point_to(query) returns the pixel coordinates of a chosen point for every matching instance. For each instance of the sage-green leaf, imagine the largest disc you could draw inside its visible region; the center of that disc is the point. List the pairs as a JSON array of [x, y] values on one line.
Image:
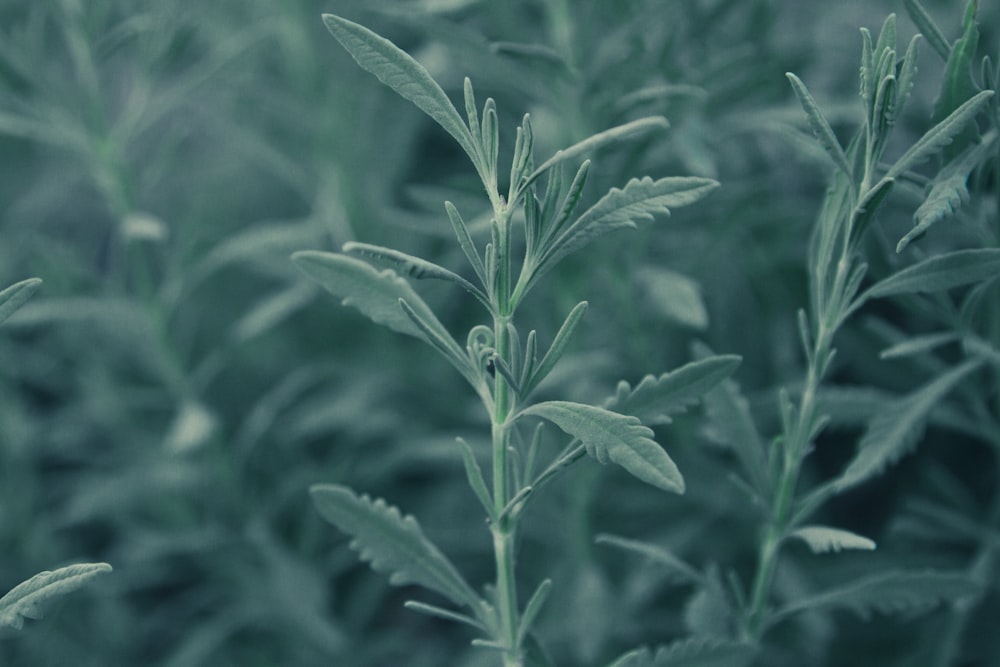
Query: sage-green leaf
[[557, 349], [639, 200], [943, 272], [616, 134], [14, 296], [392, 543], [894, 431], [928, 28], [655, 399], [896, 591], [678, 570], [25, 599], [414, 267], [398, 70], [940, 135], [691, 652], [823, 539], [819, 124], [612, 436], [957, 85], [673, 296]]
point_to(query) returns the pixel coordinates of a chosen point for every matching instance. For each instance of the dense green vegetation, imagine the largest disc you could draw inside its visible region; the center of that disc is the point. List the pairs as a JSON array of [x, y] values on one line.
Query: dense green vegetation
[[811, 336]]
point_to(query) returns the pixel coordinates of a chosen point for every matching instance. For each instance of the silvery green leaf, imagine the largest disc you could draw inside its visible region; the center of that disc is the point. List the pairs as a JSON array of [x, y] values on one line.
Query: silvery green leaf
[[928, 28], [673, 296], [414, 267], [532, 609], [940, 135], [616, 134], [655, 399], [896, 591], [939, 273], [917, 345], [25, 599], [819, 124], [678, 570], [14, 296], [638, 201], [558, 347], [392, 543], [823, 539], [894, 431], [957, 84], [691, 652], [612, 436], [398, 70]]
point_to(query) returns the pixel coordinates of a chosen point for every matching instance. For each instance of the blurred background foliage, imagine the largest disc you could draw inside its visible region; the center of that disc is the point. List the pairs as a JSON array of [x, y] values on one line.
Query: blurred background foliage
[[176, 385]]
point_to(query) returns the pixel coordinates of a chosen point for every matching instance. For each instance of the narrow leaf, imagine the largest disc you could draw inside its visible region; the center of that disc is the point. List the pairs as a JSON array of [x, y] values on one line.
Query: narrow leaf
[[475, 476], [957, 85], [822, 539], [392, 543], [940, 135], [928, 28], [14, 296], [896, 591], [466, 242], [414, 267], [396, 69], [819, 124], [558, 347], [655, 399], [440, 612], [611, 436], [679, 570], [917, 345], [894, 431], [617, 134], [638, 201], [943, 272], [25, 599], [531, 610]]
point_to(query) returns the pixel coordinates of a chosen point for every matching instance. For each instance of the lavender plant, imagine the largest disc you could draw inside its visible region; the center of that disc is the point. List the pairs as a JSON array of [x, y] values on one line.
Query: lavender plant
[[723, 609], [531, 230]]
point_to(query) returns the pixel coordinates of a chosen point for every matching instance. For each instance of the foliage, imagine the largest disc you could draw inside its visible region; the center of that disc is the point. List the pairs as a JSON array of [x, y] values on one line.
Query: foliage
[[630, 238]]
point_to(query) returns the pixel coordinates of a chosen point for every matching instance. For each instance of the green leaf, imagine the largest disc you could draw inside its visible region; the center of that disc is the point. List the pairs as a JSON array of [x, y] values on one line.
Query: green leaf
[[556, 350], [897, 591], [673, 296], [465, 241], [14, 296], [927, 27], [691, 652], [414, 267], [532, 609], [475, 476], [940, 135], [638, 201], [819, 124], [380, 296], [943, 272], [617, 134], [25, 599], [396, 69], [823, 539], [392, 543], [611, 436], [894, 431], [679, 570], [957, 85], [655, 399], [917, 345]]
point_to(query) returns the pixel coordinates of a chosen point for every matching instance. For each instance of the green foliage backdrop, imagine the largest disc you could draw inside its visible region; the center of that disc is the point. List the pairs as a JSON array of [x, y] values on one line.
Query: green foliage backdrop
[[175, 385]]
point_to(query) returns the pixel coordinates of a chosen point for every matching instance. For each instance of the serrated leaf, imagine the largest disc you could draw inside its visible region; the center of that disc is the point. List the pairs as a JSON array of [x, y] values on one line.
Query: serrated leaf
[[894, 431], [823, 539], [691, 652], [638, 201], [392, 543], [941, 135], [408, 78], [612, 436], [897, 591], [673, 296], [819, 124], [943, 272], [14, 296], [655, 399], [25, 599]]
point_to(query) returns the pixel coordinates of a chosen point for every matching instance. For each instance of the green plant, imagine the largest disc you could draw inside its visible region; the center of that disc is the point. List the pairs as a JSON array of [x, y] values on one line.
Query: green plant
[[503, 367]]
